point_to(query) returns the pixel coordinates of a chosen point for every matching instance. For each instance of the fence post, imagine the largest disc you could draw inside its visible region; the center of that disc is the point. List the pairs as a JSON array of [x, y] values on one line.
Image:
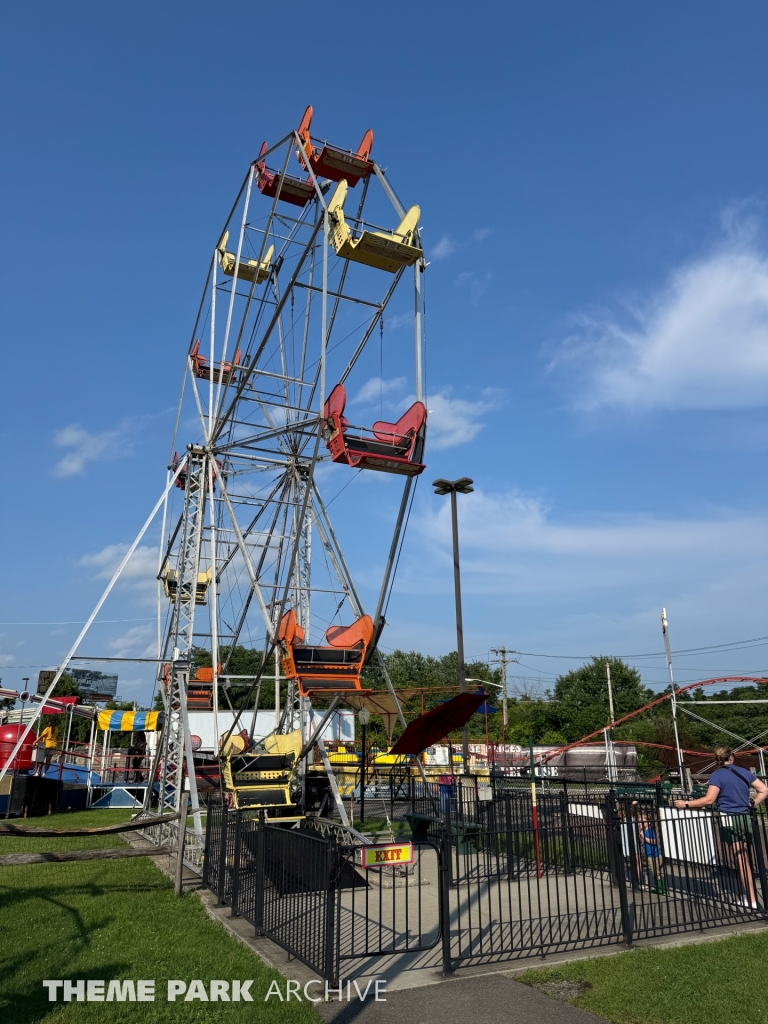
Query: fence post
[[207, 847], [512, 872], [236, 865], [444, 875], [565, 832], [221, 880], [760, 857], [182, 836], [259, 908], [448, 826], [330, 911], [613, 829]]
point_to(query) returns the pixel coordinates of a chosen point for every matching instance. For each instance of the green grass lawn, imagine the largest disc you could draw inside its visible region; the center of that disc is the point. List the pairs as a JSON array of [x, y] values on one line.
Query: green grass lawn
[[720, 982], [115, 919]]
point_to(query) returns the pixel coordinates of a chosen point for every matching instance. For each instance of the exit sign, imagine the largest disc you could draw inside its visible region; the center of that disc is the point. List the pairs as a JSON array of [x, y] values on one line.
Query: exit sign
[[386, 855]]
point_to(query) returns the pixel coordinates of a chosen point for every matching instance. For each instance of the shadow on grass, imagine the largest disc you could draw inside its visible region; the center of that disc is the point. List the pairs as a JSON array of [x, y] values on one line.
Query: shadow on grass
[[28, 1005]]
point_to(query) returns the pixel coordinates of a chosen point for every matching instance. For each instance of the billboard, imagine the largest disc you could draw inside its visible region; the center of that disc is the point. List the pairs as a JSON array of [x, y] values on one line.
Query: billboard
[[92, 685]]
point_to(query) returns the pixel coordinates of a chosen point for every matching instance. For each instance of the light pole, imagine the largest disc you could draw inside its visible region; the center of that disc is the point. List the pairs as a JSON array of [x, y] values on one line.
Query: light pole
[[453, 487], [364, 717]]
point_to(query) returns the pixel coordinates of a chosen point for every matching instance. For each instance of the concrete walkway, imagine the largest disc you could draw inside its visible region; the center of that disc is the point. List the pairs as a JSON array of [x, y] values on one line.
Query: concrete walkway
[[492, 999]]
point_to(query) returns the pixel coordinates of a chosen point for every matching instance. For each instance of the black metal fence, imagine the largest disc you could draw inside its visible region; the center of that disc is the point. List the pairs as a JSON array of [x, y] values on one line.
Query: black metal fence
[[493, 879]]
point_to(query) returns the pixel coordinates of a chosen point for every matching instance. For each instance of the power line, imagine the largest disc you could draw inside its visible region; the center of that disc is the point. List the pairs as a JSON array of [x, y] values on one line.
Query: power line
[[687, 651]]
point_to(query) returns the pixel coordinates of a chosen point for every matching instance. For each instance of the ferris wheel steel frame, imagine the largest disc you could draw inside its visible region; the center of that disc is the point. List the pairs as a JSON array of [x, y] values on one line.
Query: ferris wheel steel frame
[[286, 440], [206, 467]]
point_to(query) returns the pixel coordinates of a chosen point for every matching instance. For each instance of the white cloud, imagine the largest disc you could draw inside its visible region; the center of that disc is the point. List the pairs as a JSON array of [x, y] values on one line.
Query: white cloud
[[398, 320], [538, 580], [139, 575], [372, 389], [700, 342], [455, 421], [447, 245], [139, 642], [443, 248], [512, 543], [87, 447], [141, 565], [477, 284]]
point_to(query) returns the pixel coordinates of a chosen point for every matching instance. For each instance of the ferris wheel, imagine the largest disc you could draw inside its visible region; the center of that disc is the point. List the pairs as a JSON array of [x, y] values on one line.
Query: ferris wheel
[[315, 247]]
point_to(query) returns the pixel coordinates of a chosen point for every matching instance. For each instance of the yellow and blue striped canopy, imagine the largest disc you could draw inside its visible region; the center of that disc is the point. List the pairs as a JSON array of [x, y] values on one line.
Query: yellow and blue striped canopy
[[129, 721]]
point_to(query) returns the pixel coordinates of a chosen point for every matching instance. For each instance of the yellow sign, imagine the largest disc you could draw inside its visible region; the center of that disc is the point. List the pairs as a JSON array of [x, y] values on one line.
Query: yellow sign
[[386, 855]]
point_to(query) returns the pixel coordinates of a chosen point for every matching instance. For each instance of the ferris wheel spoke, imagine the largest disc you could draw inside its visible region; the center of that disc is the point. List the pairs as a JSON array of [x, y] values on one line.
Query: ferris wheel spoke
[[243, 550]]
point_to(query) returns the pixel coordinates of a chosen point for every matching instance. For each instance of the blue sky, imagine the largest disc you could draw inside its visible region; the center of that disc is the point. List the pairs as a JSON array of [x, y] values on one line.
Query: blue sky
[[592, 180]]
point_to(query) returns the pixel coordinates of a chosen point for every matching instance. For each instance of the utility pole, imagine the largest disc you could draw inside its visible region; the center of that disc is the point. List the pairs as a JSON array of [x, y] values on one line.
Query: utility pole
[[502, 660], [610, 759], [453, 487], [610, 692], [673, 699]]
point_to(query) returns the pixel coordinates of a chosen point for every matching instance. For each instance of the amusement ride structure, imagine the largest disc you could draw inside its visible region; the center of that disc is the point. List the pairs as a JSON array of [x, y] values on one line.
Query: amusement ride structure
[[298, 283], [314, 249]]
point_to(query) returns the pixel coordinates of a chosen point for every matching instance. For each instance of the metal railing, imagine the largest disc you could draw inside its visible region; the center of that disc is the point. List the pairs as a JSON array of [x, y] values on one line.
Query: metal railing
[[492, 880]]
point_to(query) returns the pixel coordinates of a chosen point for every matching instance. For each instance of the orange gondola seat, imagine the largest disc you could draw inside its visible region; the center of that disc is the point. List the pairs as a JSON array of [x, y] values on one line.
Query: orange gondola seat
[[325, 670], [224, 373], [200, 689], [330, 162], [291, 190], [386, 447]]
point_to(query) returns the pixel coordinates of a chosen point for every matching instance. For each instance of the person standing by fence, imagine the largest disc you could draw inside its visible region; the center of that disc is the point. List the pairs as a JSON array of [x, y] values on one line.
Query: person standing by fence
[[650, 849], [730, 788]]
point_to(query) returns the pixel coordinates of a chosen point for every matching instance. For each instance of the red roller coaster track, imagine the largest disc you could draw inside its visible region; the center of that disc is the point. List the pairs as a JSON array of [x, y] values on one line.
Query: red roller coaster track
[[659, 700]]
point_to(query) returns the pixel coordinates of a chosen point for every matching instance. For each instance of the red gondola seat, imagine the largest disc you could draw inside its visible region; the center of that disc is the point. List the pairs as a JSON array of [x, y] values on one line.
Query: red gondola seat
[[181, 479], [224, 373], [325, 670], [291, 190], [386, 447], [330, 162]]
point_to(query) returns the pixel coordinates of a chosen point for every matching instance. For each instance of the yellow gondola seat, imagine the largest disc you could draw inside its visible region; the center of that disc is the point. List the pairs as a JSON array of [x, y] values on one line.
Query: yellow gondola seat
[[375, 248], [325, 670], [248, 270], [170, 579], [262, 779]]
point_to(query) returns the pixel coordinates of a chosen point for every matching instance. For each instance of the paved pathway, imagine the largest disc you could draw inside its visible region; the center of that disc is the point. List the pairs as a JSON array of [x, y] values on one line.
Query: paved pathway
[[491, 999]]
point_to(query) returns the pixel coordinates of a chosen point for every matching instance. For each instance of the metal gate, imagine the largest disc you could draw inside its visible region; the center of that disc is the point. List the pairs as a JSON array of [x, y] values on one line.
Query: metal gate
[[306, 892]]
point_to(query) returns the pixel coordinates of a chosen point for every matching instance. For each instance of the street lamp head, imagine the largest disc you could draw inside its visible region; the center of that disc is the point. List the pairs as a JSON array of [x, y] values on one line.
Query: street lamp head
[[364, 716], [485, 682], [462, 486]]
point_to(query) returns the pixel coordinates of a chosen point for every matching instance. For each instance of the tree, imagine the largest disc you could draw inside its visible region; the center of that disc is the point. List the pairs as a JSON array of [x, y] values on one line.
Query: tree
[[580, 698]]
